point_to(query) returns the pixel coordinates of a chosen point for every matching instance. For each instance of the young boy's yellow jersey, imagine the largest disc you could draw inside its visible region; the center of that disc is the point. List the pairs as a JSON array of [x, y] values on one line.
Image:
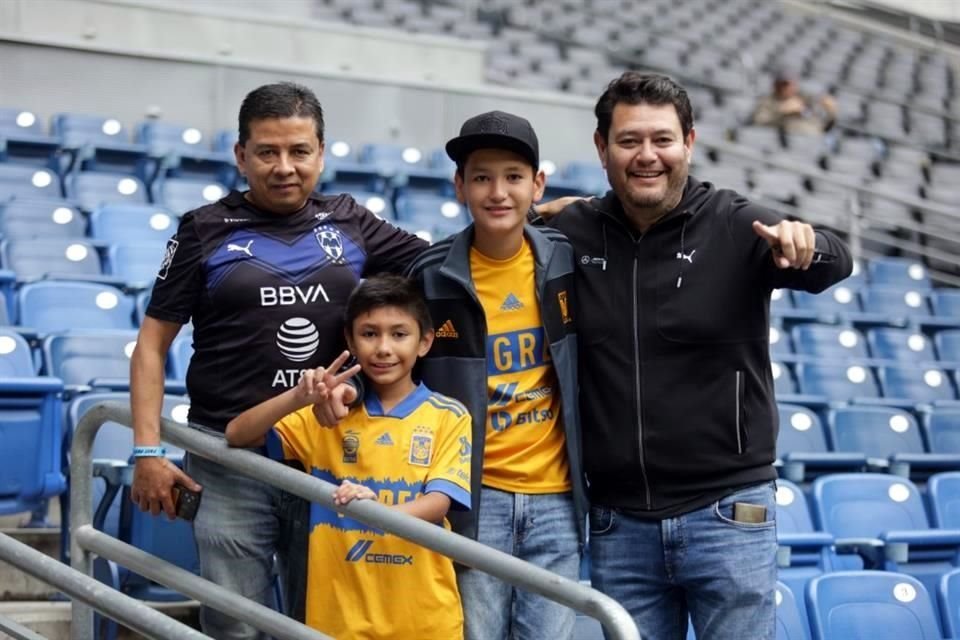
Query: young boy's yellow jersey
[[525, 447], [363, 583]]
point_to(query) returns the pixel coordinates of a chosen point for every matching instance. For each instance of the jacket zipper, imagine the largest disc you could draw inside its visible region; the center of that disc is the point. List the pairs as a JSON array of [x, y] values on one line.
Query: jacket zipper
[[739, 426], [636, 361]]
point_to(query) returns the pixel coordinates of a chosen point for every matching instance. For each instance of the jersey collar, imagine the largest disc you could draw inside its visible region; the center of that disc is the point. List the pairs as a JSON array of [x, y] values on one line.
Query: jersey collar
[[403, 409]]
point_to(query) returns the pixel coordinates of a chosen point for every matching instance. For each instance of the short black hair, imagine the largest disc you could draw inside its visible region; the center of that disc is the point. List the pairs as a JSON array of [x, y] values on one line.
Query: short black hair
[[388, 290], [279, 100], [633, 87]]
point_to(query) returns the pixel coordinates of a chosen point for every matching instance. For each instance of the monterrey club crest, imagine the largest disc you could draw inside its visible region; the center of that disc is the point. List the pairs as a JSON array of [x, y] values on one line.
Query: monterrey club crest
[[328, 237]]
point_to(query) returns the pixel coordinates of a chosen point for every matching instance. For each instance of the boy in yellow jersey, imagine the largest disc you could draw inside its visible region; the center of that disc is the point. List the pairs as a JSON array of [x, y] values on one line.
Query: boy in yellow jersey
[[404, 445], [502, 299]]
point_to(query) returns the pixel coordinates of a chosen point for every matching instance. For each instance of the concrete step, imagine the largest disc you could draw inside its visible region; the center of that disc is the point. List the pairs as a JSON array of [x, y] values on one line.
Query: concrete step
[[17, 585], [52, 619]]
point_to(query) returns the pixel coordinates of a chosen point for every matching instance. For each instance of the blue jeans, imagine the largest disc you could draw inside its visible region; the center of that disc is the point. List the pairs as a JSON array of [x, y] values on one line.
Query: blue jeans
[[723, 573], [541, 529], [238, 528]]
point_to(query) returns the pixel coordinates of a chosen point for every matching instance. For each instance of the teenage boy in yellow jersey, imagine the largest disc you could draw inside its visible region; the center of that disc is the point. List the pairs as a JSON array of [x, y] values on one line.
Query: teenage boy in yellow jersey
[[405, 446], [501, 297]]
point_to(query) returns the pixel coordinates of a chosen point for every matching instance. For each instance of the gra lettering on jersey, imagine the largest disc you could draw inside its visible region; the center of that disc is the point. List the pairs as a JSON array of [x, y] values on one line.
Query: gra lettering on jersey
[[516, 351], [290, 295]]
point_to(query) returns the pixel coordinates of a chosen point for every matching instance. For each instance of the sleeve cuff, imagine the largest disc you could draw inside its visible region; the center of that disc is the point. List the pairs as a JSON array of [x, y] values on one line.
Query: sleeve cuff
[[458, 496]]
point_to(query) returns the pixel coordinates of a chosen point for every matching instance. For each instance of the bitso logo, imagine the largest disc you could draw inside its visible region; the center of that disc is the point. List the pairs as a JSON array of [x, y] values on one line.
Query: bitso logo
[[298, 339]]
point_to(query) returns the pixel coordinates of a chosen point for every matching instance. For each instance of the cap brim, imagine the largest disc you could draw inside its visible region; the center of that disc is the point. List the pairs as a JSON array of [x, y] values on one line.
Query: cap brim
[[462, 146]]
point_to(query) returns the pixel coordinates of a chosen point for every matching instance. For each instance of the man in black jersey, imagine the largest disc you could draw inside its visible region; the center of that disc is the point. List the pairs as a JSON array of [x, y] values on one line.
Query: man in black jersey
[[263, 276]]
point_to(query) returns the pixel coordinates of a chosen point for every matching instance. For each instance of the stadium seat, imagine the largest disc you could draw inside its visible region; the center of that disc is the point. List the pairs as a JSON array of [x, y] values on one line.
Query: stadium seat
[[183, 151], [92, 190], [136, 223], [178, 360], [23, 139], [946, 303], [783, 382], [883, 518], [791, 620], [899, 305], [185, 194], [948, 596], [25, 181], [942, 427], [915, 385], [839, 381], [24, 219], [943, 490], [589, 176], [375, 202], [62, 306], [64, 258], [802, 446], [890, 438], [900, 344], [824, 341], [948, 345], [780, 343], [90, 359], [837, 300], [135, 263], [391, 159], [870, 604], [16, 356], [900, 273], [99, 143]]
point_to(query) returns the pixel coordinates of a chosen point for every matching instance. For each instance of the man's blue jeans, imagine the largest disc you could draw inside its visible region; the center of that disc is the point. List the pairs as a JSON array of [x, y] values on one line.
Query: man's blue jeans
[[720, 572], [238, 528], [541, 529]]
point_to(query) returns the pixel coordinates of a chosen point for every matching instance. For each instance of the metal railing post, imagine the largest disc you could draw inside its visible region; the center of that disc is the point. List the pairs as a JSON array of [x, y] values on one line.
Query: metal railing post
[[87, 591], [615, 619]]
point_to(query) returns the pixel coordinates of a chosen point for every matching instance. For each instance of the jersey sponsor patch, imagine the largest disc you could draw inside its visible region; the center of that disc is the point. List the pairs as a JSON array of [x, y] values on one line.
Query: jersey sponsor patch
[[169, 251]]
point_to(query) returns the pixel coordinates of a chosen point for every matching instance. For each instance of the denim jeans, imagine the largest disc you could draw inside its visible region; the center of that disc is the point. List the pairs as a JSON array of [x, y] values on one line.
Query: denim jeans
[[723, 573], [541, 529], [238, 528]]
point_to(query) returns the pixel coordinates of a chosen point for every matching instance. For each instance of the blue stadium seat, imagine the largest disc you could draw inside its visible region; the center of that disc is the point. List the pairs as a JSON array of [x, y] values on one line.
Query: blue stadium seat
[[25, 181], [66, 258], [135, 263], [375, 202], [791, 620], [63, 306], [23, 139], [94, 189], [900, 273], [783, 382], [391, 159], [946, 303], [948, 596], [589, 176], [899, 305], [870, 604], [185, 194], [24, 219], [137, 223], [948, 345], [99, 143], [415, 206], [824, 341], [913, 385], [16, 356], [883, 517], [942, 427], [900, 344], [943, 490], [780, 343], [803, 449], [890, 438], [838, 381], [837, 300], [184, 152], [90, 359]]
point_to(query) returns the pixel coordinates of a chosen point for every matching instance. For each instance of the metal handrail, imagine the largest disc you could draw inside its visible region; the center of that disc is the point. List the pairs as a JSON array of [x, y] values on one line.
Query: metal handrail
[[17, 631], [88, 592], [615, 619]]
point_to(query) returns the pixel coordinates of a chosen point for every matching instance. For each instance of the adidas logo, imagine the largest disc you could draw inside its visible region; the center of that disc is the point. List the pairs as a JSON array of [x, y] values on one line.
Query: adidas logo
[[446, 330], [385, 440], [511, 303]]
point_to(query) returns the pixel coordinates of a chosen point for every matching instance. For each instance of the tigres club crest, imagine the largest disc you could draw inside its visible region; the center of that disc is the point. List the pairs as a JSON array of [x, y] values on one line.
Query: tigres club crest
[[421, 447], [330, 241], [351, 445]]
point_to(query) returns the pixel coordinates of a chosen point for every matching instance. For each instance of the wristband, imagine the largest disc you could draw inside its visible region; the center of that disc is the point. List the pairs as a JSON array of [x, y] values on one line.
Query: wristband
[[149, 452]]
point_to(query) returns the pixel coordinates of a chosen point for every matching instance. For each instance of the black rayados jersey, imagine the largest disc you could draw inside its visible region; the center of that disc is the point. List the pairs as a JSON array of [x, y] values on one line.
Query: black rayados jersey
[[266, 293]]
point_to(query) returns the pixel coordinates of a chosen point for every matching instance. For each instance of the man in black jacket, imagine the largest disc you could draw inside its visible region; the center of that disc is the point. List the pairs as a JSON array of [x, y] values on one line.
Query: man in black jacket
[[673, 284]]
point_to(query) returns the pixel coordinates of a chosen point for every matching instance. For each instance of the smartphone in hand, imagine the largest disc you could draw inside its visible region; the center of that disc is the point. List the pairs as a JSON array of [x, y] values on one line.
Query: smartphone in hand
[[187, 502]]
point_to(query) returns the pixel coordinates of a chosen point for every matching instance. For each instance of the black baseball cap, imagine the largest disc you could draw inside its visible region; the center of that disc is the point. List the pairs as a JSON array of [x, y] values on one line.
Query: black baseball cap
[[495, 130]]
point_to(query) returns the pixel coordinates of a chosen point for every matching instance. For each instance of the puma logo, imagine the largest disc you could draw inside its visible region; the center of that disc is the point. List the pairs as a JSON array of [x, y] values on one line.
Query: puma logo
[[236, 247], [686, 256]]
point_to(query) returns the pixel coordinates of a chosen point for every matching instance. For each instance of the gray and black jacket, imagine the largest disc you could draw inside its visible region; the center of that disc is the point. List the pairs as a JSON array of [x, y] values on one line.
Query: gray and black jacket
[[457, 363]]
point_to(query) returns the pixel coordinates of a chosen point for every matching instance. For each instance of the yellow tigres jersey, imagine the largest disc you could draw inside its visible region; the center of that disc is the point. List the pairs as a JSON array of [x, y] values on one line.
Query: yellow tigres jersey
[[525, 448], [363, 583]]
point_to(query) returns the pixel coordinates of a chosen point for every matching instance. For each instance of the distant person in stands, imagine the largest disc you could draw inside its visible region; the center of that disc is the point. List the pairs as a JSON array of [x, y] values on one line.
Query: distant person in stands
[[405, 445], [792, 111], [263, 276]]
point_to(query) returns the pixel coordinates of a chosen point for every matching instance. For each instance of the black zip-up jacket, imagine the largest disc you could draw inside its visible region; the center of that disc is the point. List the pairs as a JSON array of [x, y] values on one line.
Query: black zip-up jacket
[[676, 393]]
